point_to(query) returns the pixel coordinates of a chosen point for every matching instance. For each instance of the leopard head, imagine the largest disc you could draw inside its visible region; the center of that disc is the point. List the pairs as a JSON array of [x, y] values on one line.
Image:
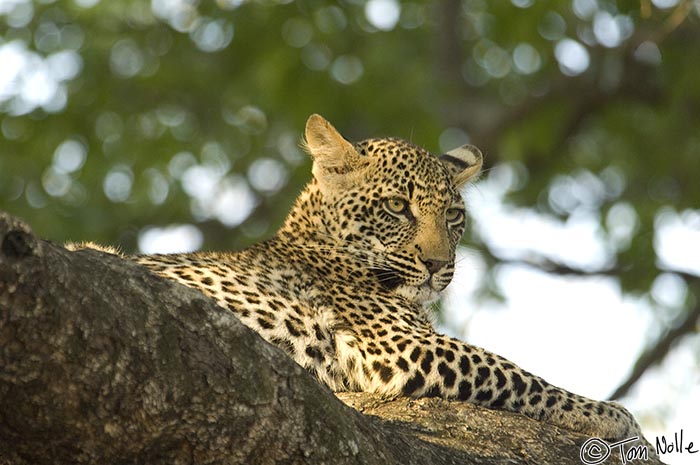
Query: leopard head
[[394, 204]]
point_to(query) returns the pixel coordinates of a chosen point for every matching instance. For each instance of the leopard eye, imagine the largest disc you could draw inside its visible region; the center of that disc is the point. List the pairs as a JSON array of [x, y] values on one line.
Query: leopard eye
[[395, 206], [454, 215]]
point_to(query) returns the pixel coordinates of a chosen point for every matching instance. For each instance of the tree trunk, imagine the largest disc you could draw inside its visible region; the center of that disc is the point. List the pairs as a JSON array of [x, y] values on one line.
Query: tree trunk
[[102, 362]]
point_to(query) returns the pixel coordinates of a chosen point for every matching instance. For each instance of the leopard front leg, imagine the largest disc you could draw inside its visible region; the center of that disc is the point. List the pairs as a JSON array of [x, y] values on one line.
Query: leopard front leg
[[422, 365]]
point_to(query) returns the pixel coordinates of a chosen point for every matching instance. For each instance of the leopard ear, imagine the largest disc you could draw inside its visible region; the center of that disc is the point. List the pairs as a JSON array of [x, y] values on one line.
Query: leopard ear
[[335, 159], [463, 163]]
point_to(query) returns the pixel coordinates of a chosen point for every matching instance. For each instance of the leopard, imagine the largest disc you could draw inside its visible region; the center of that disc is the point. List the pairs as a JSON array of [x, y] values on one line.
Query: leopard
[[346, 285]]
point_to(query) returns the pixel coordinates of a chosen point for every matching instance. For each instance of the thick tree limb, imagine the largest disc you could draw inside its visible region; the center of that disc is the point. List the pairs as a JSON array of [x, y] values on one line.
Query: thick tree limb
[[103, 362]]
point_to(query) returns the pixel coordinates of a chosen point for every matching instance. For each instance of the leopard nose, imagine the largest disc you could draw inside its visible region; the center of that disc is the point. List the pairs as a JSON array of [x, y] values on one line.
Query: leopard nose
[[433, 265]]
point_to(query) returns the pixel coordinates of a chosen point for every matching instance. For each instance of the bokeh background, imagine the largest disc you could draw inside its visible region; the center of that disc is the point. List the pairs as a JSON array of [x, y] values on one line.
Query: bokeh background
[[174, 125]]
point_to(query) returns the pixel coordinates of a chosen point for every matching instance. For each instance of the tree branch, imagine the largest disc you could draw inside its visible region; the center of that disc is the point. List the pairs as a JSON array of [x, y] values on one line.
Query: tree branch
[[104, 362], [584, 93], [657, 351], [546, 265], [448, 45]]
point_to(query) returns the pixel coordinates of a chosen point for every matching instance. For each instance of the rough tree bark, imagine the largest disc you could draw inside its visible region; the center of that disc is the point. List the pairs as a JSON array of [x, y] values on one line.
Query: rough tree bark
[[103, 362]]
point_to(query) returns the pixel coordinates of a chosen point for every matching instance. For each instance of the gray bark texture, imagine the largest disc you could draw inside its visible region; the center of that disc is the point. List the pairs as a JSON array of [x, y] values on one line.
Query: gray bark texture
[[102, 362]]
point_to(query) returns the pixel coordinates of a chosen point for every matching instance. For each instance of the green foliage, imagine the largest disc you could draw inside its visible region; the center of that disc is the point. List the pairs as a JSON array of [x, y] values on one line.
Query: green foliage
[[147, 93]]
